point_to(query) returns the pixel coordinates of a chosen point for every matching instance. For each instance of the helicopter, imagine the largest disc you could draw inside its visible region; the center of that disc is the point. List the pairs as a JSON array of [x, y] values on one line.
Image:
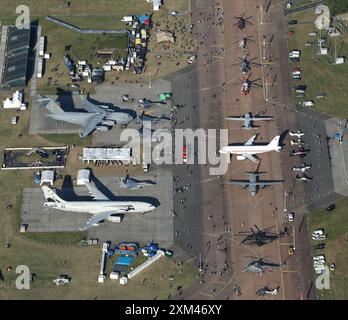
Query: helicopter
[[261, 266], [260, 237], [243, 42], [267, 290], [245, 64], [247, 83], [242, 22]]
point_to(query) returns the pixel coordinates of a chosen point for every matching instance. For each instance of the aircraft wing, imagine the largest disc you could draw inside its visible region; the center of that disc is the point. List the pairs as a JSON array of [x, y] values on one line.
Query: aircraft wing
[[87, 129], [250, 141], [90, 107], [265, 183], [95, 192], [238, 182], [261, 118], [250, 157], [97, 218], [234, 118]]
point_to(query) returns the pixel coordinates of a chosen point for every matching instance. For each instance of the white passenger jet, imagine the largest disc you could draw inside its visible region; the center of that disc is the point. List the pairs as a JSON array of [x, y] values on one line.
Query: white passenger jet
[[247, 150]]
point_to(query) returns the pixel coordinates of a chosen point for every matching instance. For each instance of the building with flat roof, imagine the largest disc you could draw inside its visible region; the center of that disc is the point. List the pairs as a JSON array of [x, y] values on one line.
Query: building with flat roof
[[13, 63]]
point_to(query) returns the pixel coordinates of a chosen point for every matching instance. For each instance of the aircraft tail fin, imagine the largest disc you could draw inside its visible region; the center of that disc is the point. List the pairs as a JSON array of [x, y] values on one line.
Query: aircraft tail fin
[[50, 195], [50, 105], [274, 144]]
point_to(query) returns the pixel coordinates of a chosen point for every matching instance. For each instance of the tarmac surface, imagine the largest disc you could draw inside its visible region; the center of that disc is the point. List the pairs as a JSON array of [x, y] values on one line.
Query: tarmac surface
[[105, 95], [219, 212], [153, 226]]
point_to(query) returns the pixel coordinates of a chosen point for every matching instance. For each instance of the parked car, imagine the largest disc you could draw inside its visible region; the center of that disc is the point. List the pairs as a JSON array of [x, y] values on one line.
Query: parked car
[[292, 22], [331, 207], [319, 246], [291, 216]]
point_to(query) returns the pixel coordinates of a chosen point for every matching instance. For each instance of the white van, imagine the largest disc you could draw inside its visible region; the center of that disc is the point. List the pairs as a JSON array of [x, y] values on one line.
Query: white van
[[308, 103], [127, 19]]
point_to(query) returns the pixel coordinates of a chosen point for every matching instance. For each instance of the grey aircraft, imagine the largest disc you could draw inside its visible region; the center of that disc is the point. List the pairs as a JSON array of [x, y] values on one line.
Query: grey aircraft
[[267, 290], [97, 117], [260, 237], [254, 184], [248, 119], [261, 266], [133, 184]]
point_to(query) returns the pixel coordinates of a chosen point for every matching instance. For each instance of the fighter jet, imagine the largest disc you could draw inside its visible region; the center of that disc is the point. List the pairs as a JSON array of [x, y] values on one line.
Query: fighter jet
[[258, 237], [254, 184], [97, 117], [266, 290], [146, 103], [302, 168], [101, 207], [303, 178], [297, 134], [261, 266], [248, 119], [133, 184], [247, 150], [242, 22]]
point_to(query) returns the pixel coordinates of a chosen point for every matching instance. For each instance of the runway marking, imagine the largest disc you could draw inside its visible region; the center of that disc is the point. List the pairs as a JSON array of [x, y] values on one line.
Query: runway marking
[[264, 89]]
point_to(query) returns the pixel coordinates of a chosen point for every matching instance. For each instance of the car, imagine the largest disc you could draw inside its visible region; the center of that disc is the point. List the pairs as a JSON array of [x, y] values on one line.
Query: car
[[174, 13], [291, 216], [289, 5], [184, 154], [320, 246], [331, 207], [292, 22], [333, 267], [191, 59]]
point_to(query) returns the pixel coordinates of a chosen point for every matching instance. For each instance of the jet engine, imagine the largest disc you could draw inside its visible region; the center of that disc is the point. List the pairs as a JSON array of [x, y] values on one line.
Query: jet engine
[[116, 218], [102, 128], [108, 123]]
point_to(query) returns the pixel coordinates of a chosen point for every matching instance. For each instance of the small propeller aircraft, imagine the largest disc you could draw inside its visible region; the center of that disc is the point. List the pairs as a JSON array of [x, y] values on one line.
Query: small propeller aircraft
[[301, 152], [302, 168], [297, 134], [303, 178]]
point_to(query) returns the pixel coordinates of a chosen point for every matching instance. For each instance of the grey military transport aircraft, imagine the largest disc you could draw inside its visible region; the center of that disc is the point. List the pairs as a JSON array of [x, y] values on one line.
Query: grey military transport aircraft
[[253, 183], [248, 120], [96, 117]]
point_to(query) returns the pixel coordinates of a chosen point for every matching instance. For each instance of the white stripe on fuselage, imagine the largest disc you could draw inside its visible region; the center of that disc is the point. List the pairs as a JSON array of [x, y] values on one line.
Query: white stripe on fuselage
[[95, 207]]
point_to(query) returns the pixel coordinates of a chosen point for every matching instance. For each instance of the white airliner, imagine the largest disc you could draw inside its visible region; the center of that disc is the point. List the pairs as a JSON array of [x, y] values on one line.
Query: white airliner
[[247, 150], [101, 207]]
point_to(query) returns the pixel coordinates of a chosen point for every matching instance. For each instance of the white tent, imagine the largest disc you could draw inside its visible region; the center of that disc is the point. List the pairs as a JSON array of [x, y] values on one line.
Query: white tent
[[163, 36], [47, 177], [15, 102]]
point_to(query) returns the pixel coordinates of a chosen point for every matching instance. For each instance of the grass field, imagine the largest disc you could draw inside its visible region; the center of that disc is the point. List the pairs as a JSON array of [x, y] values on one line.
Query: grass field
[[51, 254], [335, 226], [77, 7], [320, 76]]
